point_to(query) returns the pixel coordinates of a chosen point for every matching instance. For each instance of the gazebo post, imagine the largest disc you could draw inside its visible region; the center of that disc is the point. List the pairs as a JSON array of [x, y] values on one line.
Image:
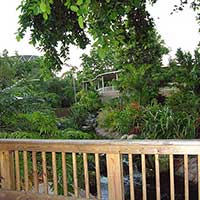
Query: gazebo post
[[98, 85], [102, 79], [116, 76]]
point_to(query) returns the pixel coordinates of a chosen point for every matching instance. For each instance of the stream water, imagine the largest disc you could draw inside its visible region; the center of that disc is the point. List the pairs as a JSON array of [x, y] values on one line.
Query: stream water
[[151, 185]]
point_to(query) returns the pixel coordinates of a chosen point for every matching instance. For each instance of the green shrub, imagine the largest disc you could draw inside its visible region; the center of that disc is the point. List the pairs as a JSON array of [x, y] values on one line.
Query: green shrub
[[160, 122], [89, 102], [121, 120], [126, 119], [184, 102], [106, 119], [73, 134], [20, 135], [44, 123]]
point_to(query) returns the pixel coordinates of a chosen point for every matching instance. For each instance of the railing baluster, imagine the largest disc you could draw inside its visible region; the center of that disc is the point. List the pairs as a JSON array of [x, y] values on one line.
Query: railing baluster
[[186, 181], [64, 174], [157, 169], [17, 155], [25, 170], [115, 178], [75, 174], [85, 163], [35, 171], [132, 192], [171, 170], [17, 170], [144, 187], [7, 169], [97, 166], [199, 176], [55, 178], [44, 172]]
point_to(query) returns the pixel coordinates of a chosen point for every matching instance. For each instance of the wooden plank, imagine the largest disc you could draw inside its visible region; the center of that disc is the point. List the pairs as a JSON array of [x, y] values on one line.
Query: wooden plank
[[17, 171], [44, 172], [167, 147], [35, 172], [186, 178], [115, 180], [7, 170], [171, 171], [26, 182], [144, 187], [132, 192], [75, 175], [64, 173], [97, 166], [55, 178], [157, 170], [87, 187], [15, 195]]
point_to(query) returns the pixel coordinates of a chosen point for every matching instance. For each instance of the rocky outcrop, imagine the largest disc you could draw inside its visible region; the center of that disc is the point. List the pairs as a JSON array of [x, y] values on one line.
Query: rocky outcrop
[[105, 133], [89, 123], [192, 168], [128, 137]]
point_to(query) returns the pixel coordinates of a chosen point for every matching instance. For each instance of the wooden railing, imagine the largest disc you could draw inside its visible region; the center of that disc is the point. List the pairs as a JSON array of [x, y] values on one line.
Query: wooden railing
[[56, 169]]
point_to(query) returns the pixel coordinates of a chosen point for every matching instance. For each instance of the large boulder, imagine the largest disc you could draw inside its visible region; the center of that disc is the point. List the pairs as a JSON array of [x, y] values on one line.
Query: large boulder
[[192, 167]]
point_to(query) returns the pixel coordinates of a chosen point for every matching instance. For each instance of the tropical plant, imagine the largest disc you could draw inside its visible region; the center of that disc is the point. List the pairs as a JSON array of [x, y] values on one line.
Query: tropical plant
[[160, 122], [121, 119], [88, 102]]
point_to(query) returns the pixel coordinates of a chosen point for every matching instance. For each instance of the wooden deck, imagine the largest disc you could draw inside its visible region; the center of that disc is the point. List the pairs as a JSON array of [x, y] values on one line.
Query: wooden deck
[[25, 164]]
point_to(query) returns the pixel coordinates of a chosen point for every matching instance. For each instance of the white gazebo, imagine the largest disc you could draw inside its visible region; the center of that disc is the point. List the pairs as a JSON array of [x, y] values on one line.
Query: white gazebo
[[104, 85]]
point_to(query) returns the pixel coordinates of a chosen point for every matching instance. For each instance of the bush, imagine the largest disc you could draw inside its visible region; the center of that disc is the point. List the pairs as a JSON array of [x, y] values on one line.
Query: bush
[[73, 134], [20, 135], [160, 122], [184, 102], [89, 102], [122, 120], [44, 123]]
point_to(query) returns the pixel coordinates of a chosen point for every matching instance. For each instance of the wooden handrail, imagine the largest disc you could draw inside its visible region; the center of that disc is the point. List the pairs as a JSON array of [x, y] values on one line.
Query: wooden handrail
[[42, 156], [191, 147]]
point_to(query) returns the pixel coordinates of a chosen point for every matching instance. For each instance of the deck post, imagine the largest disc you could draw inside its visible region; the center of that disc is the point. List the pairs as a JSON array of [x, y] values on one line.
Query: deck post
[[7, 180], [115, 177]]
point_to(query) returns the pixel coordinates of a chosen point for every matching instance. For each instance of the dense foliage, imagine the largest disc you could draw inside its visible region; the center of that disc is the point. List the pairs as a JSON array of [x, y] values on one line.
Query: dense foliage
[[123, 38]]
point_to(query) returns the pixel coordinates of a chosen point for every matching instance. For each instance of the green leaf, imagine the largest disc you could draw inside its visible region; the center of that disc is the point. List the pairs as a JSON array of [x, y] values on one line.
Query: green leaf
[[113, 15], [79, 2], [137, 3], [87, 2], [45, 16], [102, 52], [18, 38], [43, 6], [74, 8], [80, 22], [67, 4]]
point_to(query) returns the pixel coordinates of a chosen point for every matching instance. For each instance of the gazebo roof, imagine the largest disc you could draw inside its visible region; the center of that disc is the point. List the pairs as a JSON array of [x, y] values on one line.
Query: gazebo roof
[[106, 75]]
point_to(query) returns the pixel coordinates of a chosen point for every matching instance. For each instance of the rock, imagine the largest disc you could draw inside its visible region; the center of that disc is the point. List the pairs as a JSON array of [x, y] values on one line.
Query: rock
[[192, 168], [105, 133], [89, 123], [86, 128], [82, 194], [124, 137], [131, 136]]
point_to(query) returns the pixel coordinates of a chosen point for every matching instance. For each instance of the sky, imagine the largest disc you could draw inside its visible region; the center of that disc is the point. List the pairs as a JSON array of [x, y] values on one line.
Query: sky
[[179, 30]]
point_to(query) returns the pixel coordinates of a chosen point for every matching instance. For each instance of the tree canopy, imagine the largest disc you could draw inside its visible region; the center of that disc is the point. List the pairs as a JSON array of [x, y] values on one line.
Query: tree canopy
[[55, 24]]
